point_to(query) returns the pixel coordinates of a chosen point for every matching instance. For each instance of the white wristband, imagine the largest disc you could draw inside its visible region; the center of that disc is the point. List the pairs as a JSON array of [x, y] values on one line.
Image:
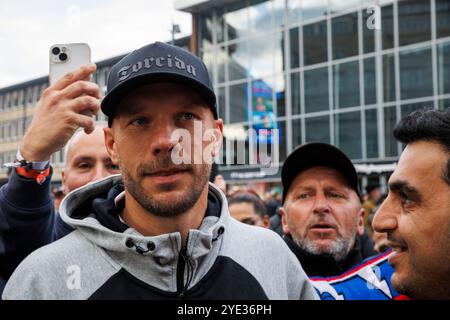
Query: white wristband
[[35, 165]]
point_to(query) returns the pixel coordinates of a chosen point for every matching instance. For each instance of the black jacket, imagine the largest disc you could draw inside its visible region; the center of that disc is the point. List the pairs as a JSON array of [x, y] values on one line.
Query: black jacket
[[325, 265]]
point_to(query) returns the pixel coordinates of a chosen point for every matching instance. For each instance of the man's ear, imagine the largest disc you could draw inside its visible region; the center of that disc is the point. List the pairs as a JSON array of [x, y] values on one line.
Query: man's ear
[[111, 145], [284, 223], [360, 229], [218, 137]]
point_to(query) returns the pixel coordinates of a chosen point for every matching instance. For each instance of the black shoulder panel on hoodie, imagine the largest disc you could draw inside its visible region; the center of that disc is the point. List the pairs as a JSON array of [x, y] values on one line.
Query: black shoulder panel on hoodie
[[226, 280]]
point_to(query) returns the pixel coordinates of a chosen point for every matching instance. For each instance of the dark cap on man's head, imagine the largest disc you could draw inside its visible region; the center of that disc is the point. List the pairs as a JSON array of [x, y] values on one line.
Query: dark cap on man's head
[[157, 62], [317, 154]]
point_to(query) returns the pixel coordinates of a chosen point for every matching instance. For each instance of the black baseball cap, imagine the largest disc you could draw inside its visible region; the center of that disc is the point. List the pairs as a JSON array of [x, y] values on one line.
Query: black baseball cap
[[317, 154], [157, 62]]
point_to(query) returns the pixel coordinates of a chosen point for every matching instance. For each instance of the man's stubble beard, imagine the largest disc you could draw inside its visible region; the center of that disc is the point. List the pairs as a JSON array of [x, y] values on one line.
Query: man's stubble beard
[[165, 207]]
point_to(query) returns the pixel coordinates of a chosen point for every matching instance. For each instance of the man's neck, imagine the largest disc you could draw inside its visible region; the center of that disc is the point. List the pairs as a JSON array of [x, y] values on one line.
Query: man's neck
[[149, 224]]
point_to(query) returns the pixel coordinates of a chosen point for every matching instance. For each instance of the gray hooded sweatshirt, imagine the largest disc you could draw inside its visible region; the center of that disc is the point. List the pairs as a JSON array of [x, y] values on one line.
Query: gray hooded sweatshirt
[[105, 259]]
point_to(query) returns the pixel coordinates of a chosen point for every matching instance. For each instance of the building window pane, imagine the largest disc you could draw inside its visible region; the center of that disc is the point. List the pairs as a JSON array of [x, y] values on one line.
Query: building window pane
[[314, 8], [221, 104], [261, 56], [280, 94], [416, 76], [390, 144], [444, 104], [293, 11], [339, 5], [278, 52], [221, 61], [260, 15], [278, 13], [206, 30], [406, 109], [443, 62], [296, 132], [295, 93], [414, 23], [238, 61], [442, 18], [368, 34], [370, 93], [238, 102], [388, 77], [220, 28], [316, 90], [315, 43], [295, 48], [282, 140], [371, 133], [236, 21], [317, 129], [347, 128], [345, 36], [387, 27], [208, 58], [346, 84]]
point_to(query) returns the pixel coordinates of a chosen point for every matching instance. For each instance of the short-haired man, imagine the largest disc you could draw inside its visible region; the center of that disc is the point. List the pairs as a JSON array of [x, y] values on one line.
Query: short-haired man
[[164, 232], [322, 217], [248, 207], [323, 221], [416, 213], [27, 217]]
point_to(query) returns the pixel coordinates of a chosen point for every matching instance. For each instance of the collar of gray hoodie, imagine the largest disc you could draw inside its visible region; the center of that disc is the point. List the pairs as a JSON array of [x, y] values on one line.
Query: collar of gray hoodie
[[133, 251]]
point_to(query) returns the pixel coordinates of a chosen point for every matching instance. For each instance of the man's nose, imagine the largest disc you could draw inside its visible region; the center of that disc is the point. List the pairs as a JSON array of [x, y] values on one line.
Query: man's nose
[[385, 218], [163, 139], [100, 172], [321, 204]]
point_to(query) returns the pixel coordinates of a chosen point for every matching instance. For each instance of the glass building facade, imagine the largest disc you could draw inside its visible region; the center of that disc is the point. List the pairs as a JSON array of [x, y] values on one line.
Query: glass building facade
[[342, 72]]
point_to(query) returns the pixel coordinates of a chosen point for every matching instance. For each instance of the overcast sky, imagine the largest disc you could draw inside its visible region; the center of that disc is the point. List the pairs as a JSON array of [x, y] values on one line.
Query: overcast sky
[[110, 27]]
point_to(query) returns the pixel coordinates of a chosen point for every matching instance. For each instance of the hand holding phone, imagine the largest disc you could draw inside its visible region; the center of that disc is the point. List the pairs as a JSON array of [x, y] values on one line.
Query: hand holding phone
[[65, 106]]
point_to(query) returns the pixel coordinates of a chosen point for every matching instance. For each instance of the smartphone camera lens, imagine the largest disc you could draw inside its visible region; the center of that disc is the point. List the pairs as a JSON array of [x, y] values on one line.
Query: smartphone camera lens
[[63, 57], [55, 50]]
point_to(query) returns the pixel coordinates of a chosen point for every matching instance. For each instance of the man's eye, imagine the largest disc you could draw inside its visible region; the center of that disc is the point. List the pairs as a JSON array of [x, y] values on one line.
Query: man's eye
[[188, 116], [303, 196], [83, 165], [139, 122], [113, 167], [405, 200], [336, 195]]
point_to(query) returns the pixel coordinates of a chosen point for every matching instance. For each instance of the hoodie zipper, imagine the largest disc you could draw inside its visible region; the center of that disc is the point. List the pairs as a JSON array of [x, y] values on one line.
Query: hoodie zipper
[[183, 259]]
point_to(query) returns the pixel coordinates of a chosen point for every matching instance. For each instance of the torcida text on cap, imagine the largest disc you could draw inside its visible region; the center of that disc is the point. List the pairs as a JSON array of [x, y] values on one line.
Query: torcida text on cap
[[160, 62]]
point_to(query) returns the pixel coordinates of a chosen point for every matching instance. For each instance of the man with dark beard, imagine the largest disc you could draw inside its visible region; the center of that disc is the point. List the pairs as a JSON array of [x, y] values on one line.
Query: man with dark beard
[[322, 217], [163, 232]]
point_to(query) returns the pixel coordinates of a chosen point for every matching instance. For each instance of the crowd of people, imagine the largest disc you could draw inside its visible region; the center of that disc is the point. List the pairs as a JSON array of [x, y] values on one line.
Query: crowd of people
[[135, 225]]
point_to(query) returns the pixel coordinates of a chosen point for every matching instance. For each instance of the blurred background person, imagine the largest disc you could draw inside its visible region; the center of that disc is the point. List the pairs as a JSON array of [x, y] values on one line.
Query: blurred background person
[[247, 207], [371, 200], [58, 195]]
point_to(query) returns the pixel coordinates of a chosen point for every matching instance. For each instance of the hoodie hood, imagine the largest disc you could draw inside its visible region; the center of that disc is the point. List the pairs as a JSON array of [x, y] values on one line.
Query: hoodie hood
[[93, 212]]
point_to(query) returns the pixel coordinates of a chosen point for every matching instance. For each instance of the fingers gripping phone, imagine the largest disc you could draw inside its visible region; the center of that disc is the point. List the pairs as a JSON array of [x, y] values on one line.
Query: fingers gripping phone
[[68, 57]]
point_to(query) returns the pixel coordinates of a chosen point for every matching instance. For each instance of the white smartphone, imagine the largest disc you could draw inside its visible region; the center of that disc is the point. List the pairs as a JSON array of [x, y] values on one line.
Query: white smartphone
[[68, 57]]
